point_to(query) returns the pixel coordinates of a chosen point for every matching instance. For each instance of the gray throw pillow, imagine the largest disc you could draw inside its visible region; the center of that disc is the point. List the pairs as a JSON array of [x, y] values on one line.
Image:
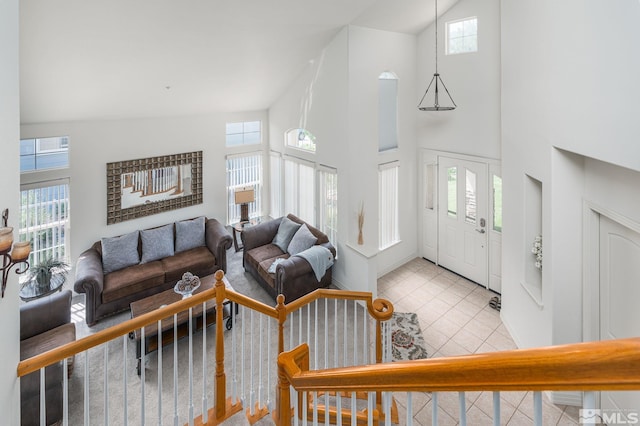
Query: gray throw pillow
[[189, 234], [286, 229], [157, 243], [120, 252], [302, 240]]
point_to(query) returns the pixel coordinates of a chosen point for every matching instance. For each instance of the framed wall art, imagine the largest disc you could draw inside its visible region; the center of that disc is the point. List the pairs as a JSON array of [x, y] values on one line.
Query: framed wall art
[[146, 186]]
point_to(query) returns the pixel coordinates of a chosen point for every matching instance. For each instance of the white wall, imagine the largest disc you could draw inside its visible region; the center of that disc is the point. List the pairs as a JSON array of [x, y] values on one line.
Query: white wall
[[336, 99], [473, 80], [569, 82], [95, 143], [9, 197]]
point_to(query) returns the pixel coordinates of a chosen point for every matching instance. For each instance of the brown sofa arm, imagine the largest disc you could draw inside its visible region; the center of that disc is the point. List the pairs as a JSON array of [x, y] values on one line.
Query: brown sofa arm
[[90, 280], [293, 268], [260, 234], [45, 314], [218, 241]]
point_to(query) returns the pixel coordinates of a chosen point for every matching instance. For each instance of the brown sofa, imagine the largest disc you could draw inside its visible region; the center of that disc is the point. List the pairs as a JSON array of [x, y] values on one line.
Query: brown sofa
[[294, 276], [108, 292], [45, 324]]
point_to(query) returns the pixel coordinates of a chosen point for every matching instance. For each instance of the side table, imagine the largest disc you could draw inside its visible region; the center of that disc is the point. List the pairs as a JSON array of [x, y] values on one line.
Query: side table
[[237, 228], [31, 290]]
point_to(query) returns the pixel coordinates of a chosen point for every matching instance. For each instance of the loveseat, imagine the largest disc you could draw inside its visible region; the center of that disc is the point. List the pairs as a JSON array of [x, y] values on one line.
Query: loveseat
[[292, 276], [45, 324], [117, 271]]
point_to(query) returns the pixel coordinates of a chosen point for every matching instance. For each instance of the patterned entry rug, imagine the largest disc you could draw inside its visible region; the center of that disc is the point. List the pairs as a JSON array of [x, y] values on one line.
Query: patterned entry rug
[[407, 342]]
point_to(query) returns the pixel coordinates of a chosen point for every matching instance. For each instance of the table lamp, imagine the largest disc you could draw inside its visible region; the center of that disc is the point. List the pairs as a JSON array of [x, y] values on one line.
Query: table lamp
[[243, 197]]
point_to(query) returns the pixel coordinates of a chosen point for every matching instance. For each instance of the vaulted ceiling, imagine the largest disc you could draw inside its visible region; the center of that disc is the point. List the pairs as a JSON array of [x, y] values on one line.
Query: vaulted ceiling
[[83, 60]]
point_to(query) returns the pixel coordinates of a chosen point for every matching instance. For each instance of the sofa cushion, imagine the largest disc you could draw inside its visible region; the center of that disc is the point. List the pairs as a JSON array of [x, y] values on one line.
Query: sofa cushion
[[190, 234], [199, 261], [120, 252], [258, 254], [321, 236], [302, 240], [285, 233], [157, 243], [132, 280], [263, 269]]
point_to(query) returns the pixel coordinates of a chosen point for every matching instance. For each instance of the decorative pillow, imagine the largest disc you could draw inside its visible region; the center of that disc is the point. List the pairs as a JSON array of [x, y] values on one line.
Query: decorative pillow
[[157, 243], [190, 234], [120, 252], [286, 229], [302, 240]]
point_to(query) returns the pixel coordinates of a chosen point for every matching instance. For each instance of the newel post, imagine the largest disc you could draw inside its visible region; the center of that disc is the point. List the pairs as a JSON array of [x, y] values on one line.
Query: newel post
[[283, 398], [221, 380], [282, 318]]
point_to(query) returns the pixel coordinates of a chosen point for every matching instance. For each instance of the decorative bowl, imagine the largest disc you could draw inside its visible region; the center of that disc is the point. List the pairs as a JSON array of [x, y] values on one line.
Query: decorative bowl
[[187, 285]]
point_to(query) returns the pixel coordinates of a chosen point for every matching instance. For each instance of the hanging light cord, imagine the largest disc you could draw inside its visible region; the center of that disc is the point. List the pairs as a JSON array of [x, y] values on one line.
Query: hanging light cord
[[436, 2]]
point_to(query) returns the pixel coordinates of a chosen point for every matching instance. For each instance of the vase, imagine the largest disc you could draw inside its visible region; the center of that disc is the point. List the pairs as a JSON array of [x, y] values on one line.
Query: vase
[[360, 240]]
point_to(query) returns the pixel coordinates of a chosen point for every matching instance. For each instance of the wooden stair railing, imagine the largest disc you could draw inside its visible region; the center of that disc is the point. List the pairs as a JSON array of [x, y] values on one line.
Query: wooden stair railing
[[592, 366], [379, 309]]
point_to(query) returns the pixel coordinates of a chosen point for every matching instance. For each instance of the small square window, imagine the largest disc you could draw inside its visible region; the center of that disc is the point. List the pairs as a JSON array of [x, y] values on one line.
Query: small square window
[[245, 133], [462, 36]]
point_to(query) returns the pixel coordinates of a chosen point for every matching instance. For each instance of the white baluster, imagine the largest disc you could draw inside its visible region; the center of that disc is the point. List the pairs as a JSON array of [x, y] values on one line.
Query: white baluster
[[354, 419], [106, 383], [339, 409], [309, 325], [205, 403], [589, 403], [463, 409], [142, 375], [387, 408], [296, 408], [355, 333], [260, 351], [125, 400], [65, 392], [43, 403], [299, 326], [537, 408], [316, 348], [370, 407], [496, 408], [335, 333], [409, 408], [234, 354], [191, 367], [305, 408], [434, 408], [159, 372], [269, 321], [252, 395], [344, 335], [242, 360], [175, 370], [315, 409], [365, 337]]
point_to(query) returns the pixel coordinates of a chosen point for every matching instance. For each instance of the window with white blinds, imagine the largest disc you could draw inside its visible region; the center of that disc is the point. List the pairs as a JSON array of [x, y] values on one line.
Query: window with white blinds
[[44, 220], [244, 171], [389, 233], [328, 202], [299, 189], [275, 170]]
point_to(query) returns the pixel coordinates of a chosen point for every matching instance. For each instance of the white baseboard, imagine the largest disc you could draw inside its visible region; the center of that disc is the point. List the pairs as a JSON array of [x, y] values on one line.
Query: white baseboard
[[397, 264]]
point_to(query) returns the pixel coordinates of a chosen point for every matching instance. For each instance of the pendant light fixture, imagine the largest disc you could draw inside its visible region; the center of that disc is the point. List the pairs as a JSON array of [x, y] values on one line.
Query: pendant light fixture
[[433, 101]]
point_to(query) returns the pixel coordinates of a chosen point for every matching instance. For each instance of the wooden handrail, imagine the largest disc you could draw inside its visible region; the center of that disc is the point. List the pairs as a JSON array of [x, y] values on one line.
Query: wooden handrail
[[604, 365]]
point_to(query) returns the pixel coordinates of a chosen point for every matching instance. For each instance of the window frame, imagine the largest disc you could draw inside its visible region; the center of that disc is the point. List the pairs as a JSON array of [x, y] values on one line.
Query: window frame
[[243, 133], [256, 207], [447, 48], [383, 206]]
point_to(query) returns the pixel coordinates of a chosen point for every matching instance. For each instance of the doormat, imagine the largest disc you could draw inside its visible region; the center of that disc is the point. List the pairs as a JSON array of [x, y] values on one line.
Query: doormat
[[407, 342]]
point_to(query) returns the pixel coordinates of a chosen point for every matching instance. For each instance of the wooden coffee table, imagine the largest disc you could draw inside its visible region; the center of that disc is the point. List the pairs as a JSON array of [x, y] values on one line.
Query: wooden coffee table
[[167, 297]]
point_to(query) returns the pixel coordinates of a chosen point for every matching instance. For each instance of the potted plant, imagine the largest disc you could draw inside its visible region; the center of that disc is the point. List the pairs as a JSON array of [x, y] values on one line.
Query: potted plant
[[43, 271]]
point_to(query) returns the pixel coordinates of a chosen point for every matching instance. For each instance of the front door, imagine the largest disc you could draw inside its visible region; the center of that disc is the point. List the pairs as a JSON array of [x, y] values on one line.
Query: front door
[[462, 214], [619, 295]]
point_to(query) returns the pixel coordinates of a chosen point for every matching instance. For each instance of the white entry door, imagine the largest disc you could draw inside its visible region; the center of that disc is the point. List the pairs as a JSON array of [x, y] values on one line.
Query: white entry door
[[462, 217], [619, 295]]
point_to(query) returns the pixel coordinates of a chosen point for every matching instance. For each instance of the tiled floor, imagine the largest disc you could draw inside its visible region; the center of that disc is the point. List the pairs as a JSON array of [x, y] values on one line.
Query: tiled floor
[[456, 319]]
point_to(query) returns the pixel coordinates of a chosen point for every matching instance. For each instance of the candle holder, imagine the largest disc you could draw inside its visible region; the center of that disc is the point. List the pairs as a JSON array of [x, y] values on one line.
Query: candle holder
[[12, 253]]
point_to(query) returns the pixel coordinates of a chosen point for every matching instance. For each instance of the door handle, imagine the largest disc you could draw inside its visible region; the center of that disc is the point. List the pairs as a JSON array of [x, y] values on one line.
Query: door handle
[[482, 231]]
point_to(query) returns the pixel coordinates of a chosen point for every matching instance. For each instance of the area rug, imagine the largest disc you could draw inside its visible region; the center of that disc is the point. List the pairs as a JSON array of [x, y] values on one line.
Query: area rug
[[407, 342]]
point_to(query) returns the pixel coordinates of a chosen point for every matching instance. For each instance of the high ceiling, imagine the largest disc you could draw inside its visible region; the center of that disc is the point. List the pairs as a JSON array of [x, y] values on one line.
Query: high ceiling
[[83, 60]]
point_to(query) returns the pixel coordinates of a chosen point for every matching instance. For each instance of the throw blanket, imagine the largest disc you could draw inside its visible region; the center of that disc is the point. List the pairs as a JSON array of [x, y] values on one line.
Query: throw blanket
[[320, 259]]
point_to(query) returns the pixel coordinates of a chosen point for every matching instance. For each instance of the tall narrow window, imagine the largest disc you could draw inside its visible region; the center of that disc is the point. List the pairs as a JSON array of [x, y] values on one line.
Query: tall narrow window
[[387, 111], [497, 203], [275, 168], [462, 36], [388, 231], [452, 191], [244, 133], [244, 171], [299, 189], [328, 202], [470, 197], [44, 220]]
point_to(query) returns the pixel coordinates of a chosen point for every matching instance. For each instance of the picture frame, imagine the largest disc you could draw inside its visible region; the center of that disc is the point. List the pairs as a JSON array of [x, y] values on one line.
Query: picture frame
[[147, 186]]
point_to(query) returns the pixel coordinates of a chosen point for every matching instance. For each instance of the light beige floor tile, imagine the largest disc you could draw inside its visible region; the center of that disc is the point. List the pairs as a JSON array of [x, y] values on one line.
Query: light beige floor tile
[[501, 342], [446, 326], [425, 416], [520, 419], [452, 348], [467, 340], [459, 317]]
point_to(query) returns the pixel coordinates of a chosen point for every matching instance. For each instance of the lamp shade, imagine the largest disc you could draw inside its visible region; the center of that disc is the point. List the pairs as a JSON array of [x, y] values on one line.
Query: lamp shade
[[245, 195]]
